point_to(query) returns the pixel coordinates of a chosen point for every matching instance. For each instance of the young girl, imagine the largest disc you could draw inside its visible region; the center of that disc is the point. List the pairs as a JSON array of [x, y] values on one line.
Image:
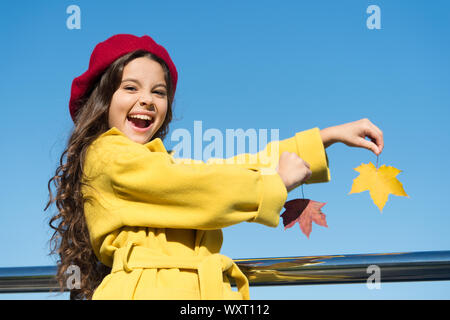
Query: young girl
[[141, 224]]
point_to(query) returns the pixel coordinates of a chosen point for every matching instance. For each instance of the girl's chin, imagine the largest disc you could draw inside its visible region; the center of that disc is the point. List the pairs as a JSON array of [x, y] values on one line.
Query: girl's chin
[[138, 137]]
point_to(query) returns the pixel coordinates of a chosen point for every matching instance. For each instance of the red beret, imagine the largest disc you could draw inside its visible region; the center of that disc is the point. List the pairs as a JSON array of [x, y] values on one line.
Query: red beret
[[107, 52]]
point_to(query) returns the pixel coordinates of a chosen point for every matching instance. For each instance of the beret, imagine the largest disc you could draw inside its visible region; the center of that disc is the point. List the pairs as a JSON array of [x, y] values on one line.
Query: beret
[[107, 52]]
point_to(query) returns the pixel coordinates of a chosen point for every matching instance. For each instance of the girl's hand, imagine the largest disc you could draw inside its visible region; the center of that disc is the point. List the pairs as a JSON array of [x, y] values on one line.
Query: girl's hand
[[293, 170], [353, 134]]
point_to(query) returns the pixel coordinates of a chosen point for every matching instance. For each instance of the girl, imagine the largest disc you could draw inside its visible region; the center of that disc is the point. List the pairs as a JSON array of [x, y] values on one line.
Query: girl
[[141, 224]]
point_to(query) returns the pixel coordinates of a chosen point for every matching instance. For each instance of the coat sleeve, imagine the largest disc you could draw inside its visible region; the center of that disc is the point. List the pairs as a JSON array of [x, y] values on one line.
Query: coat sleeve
[[306, 144], [138, 187]]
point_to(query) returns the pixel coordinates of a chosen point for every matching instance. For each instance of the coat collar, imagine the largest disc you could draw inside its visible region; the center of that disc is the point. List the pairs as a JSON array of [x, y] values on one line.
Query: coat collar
[[155, 145]]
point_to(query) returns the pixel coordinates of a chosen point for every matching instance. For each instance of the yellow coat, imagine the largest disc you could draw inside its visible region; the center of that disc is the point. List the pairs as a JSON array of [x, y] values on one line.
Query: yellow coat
[[156, 220]]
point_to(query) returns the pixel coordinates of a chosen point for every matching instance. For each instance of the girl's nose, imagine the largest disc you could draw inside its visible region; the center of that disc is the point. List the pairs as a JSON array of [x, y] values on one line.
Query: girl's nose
[[146, 100], [147, 105]]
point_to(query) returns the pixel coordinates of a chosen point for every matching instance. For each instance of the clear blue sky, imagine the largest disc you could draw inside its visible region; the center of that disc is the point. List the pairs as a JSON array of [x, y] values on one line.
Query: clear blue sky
[[292, 65]]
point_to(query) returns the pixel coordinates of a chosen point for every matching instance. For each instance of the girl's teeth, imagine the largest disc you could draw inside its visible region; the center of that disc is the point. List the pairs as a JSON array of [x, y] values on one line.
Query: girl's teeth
[[138, 116]]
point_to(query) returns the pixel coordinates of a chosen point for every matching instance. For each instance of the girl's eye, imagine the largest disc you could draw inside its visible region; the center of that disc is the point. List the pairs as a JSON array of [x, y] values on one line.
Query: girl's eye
[[162, 93]]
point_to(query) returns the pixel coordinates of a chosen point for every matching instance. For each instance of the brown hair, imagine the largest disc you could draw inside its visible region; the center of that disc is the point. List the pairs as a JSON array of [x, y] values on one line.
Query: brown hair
[[70, 239]]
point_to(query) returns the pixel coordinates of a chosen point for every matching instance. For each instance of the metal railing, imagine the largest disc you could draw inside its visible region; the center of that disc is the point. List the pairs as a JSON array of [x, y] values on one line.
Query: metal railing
[[305, 270]]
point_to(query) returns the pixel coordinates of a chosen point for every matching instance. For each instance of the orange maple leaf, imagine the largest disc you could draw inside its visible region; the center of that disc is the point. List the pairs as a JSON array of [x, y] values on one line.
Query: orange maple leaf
[[380, 182], [303, 211]]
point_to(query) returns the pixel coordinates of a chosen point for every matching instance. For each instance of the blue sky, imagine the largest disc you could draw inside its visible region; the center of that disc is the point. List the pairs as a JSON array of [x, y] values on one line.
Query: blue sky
[[292, 66]]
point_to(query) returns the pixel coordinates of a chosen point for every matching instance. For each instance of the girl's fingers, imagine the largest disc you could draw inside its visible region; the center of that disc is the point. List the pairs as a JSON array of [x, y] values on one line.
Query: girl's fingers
[[376, 136], [370, 146], [380, 139]]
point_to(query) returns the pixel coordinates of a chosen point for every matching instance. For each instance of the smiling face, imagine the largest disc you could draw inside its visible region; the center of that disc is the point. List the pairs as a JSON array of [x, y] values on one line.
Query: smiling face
[[139, 106]]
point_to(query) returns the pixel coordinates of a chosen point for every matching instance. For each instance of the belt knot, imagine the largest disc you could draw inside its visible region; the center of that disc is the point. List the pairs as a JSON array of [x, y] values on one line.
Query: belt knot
[[210, 268]]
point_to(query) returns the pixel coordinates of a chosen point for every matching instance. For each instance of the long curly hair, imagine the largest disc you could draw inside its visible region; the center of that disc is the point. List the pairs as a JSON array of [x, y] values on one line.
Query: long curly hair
[[70, 239]]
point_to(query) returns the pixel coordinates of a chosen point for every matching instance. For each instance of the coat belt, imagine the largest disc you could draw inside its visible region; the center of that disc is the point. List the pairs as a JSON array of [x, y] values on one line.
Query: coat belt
[[210, 268]]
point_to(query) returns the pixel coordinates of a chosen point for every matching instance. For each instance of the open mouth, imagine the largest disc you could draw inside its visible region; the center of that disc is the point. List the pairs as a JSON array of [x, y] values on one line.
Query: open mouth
[[140, 123]]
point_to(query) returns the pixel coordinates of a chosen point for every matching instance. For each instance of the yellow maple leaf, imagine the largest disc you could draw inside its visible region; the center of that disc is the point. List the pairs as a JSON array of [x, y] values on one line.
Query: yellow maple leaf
[[380, 182]]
